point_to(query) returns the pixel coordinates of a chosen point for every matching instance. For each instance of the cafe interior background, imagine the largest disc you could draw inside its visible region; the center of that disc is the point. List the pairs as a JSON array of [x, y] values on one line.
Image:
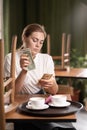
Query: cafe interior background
[[58, 16]]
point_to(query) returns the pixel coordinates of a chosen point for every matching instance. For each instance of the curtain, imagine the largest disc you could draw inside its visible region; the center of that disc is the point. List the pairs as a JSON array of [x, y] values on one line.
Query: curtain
[[6, 24], [57, 16]]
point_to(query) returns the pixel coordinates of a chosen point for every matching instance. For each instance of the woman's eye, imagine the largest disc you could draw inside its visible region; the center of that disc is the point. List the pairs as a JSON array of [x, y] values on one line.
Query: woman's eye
[[35, 40], [41, 42]]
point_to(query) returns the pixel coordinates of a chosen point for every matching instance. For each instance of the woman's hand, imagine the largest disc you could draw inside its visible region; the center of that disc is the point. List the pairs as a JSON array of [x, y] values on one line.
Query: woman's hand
[[49, 85], [24, 61], [46, 82]]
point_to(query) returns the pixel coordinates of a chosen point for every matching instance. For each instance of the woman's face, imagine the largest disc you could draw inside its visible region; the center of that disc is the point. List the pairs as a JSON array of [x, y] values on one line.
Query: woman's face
[[35, 42]]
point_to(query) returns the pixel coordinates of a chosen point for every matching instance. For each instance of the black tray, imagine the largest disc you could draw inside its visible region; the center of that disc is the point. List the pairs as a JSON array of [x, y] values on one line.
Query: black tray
[[51, 111]]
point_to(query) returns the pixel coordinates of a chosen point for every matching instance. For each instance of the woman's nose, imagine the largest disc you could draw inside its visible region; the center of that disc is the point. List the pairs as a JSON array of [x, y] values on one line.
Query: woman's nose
[[38, 44]]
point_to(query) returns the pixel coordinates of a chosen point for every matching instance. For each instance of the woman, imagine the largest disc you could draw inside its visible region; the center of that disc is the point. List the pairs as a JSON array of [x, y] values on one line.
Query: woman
[[29, 81], [33, 37]]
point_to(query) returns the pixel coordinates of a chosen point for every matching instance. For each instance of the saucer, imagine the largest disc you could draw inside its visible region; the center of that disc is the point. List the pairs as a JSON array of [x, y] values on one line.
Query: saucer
[[42, 108], [60, 105]]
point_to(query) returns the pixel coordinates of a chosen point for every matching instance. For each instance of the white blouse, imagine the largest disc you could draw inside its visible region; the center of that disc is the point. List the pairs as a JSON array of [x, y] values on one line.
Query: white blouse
[[43, 64]]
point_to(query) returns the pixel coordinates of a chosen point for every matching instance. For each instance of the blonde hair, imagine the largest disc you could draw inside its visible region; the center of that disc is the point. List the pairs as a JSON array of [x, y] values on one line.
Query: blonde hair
[[29, 29]]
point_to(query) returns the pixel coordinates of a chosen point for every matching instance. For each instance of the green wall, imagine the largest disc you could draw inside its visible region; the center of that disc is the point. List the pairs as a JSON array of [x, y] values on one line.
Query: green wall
[[57, 16]]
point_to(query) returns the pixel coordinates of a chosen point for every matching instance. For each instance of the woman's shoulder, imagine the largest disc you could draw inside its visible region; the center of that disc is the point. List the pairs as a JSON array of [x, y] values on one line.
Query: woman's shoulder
[[8, 55], [44, 55]]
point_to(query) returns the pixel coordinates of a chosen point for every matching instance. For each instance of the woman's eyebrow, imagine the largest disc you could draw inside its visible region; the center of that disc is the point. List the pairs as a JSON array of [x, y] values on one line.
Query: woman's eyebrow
[[37, 38]]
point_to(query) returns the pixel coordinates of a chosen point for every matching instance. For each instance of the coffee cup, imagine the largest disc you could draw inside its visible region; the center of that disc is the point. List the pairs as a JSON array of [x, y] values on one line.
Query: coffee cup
[[36, 102], [58, 99]]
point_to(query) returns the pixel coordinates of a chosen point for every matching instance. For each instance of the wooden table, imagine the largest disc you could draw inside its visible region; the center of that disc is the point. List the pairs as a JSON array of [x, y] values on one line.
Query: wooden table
[[73, 73], [80, 73], [14, 116]]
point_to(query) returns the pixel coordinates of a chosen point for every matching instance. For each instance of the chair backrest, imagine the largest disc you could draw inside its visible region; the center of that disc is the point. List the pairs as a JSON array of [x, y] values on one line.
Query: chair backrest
[[3, 84], [2, 115], [65, 50], [64, 58], [48, 44]]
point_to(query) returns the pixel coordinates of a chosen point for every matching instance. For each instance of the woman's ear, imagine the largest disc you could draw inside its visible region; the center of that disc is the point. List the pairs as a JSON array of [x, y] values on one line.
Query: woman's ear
[[24, 41], [23, 38]]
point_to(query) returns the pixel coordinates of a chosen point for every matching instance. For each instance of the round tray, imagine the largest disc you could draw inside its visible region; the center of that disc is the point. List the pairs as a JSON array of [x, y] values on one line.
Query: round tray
[[52, 111]]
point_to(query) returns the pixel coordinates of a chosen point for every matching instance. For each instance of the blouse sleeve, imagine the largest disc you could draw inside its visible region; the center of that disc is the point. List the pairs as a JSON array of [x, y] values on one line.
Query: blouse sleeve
[[50, 65], [7, 65]]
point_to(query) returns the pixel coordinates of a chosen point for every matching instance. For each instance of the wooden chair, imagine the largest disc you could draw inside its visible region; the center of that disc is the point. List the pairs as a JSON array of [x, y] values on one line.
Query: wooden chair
[[48, 44], [65, 89], [64, 58], [3, 84]]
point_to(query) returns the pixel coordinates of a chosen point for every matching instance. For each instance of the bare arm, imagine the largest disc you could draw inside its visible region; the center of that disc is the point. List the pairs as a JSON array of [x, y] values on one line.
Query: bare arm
[[52, 89], [20, 80], [24, 62], [50, 85]]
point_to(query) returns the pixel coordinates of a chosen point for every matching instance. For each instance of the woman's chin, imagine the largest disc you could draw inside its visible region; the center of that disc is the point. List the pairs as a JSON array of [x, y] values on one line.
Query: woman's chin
[[35, 53]]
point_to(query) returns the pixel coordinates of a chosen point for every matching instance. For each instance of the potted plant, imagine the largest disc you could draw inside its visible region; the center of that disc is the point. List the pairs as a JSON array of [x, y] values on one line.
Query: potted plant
[[78, 61]]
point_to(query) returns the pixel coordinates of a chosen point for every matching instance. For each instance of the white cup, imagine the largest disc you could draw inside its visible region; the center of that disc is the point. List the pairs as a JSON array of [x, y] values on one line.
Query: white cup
[[36, 102], [58, 99]]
